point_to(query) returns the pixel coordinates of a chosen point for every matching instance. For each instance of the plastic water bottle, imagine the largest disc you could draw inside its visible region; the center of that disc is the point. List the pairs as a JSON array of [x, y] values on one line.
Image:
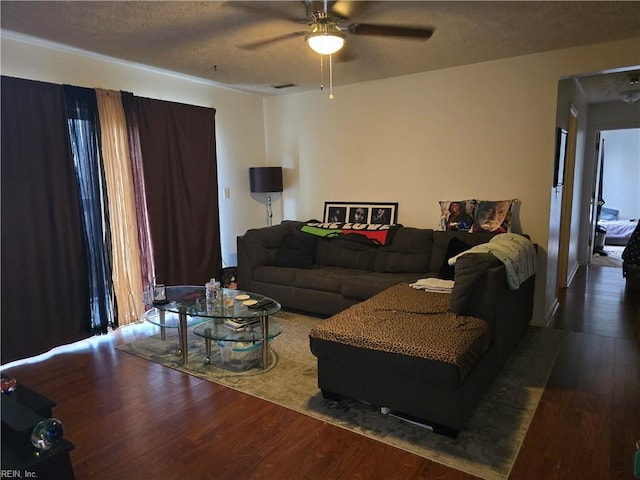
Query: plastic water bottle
[[211, 292]]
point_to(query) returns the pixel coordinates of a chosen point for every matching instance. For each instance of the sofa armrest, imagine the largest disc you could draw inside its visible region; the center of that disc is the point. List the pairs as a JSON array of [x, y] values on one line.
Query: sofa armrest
[[258, 247], [470, 273], [480, 290]]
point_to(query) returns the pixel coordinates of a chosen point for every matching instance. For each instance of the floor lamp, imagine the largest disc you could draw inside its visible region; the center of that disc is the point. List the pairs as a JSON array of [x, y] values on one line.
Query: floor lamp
[[266, 180]]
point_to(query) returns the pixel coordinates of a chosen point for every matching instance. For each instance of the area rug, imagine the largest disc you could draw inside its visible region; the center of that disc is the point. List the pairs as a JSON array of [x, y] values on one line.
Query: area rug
[[613, 257], [487, 447]]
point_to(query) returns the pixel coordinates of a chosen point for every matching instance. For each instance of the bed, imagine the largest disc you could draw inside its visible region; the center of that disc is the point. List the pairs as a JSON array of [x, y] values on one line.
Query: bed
[[618, 231]]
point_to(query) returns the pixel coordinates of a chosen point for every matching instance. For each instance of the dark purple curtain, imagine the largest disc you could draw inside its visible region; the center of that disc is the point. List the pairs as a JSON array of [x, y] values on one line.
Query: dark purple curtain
[[178, 148], [45, 290], [147, 268]]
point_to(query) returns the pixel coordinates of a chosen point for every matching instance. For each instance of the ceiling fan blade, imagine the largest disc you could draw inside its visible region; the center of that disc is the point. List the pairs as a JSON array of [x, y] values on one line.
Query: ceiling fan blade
[[266, 9], [269, 41], [418, 33], [345, 10]]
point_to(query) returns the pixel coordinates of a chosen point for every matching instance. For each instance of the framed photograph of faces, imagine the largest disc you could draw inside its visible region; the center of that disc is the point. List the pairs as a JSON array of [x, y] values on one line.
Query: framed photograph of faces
[[361, 212]]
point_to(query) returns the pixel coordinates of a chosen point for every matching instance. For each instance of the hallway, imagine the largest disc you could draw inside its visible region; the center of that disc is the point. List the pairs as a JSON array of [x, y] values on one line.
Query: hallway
[[588, 420], [598, 302]]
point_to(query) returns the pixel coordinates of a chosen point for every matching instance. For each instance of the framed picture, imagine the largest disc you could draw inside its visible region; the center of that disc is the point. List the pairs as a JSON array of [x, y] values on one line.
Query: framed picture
[[361, 212], [561, 156], [159, 294]]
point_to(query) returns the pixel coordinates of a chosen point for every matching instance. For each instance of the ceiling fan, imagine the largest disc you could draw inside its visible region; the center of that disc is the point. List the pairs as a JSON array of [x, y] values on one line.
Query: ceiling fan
[[328, 30]]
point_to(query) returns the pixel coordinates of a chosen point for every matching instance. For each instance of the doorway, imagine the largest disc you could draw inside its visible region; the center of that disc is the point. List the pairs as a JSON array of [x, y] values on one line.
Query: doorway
[[617, 187]]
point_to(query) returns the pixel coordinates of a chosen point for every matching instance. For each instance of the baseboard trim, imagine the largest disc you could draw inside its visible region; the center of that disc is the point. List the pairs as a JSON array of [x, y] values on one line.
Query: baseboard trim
[[552, 309], [572, 273]]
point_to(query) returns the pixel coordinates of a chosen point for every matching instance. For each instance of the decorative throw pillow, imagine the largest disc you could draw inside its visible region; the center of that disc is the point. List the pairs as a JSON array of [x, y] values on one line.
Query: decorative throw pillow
[[297, 250], [455, 247], [493, 216], [457, 214], [608, 213]]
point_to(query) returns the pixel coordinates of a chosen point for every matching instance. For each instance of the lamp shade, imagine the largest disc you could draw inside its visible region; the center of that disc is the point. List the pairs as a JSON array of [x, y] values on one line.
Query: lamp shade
[[265, 179]]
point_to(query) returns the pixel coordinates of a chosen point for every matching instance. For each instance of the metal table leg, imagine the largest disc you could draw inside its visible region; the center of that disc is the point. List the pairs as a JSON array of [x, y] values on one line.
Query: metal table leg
[[207, 345], [182, 335], [162, 327], [264, 324]]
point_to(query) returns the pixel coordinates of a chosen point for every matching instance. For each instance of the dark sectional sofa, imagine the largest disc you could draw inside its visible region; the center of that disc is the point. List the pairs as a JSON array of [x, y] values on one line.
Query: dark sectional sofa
[[365, 287], [343, 272]]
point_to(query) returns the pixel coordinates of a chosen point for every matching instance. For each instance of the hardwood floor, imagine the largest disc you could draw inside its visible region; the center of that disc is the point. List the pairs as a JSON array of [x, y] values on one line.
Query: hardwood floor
[[133, 419], [588, 420]]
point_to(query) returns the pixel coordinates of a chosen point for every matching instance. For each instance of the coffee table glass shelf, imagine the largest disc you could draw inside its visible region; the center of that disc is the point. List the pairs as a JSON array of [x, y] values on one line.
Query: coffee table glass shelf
[[242, 346], [186, 307]]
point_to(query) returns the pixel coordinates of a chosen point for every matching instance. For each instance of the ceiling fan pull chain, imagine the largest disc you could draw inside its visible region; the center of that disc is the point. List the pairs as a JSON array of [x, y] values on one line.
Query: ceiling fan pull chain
[[321, 73], [330, 77]]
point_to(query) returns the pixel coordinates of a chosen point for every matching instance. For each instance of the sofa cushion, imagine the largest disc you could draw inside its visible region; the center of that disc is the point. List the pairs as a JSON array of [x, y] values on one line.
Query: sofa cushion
[[345, 253], [363, 286], [407, 323], [396, 262], [410, 252], [412, 240], [324, 278], [262, 243], [276, 275], [296, 250]]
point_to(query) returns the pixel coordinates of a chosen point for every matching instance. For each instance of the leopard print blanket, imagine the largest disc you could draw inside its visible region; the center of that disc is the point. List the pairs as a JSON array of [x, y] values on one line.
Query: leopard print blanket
[[410, 322]]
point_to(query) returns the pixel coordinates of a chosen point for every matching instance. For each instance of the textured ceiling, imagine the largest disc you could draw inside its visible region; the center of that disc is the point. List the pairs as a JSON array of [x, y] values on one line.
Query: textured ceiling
[[210, 39]]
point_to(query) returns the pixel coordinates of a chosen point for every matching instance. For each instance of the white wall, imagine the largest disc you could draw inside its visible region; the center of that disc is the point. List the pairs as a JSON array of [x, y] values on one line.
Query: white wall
[[570, 98], [484, 131], [621, 177], [239, 116]]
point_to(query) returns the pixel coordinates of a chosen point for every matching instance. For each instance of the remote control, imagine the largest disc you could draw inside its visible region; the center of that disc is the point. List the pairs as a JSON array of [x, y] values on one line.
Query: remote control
[[265, 302]]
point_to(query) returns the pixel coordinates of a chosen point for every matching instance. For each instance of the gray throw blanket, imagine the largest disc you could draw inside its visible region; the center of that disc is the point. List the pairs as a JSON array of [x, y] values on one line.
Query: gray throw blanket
[[516, 252]]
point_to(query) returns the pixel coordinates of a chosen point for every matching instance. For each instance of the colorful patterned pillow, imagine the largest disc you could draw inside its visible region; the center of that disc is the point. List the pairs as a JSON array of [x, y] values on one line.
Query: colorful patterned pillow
[[457, 214], [493, 216]]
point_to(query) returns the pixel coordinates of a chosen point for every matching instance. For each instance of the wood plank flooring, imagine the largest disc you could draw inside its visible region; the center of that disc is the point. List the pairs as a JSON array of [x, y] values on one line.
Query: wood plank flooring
[[133, 419], [588, 419]]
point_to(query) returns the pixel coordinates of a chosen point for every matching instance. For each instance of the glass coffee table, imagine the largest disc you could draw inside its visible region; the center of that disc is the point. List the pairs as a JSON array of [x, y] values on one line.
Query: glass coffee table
[[186, 306]]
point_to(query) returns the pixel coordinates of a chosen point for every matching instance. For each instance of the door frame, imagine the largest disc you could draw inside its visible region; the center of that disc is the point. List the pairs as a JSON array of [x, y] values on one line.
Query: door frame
[[595, 193], [563, 275]]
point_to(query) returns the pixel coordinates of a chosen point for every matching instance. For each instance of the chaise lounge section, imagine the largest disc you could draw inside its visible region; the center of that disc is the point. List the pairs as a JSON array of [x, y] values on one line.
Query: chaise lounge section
[[426, 356]]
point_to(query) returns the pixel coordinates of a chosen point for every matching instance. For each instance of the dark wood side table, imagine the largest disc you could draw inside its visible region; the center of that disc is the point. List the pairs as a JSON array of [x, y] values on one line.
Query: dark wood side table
[[21, 410]]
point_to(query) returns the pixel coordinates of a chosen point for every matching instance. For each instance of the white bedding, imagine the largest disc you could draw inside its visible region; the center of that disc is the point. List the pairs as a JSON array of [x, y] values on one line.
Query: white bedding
[[618, 231]]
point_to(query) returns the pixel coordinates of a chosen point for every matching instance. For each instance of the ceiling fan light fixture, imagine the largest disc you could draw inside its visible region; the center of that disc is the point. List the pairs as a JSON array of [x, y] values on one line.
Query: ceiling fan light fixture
[[325, 38]]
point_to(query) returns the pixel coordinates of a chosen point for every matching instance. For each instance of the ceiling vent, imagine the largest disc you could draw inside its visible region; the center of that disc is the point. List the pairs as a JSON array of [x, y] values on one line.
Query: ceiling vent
[[284, 85]]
